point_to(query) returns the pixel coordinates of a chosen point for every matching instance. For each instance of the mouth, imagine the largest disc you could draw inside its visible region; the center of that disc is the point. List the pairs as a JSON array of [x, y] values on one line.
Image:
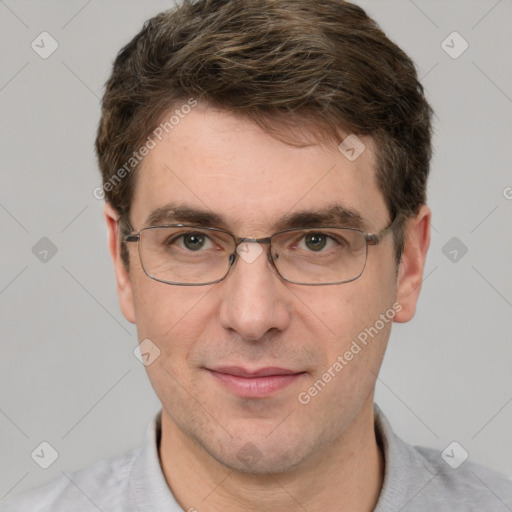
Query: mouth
[[258, 383]]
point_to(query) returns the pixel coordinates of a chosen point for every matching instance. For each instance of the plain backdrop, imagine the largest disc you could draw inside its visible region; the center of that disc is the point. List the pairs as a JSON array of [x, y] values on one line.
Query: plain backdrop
[[68, 375]]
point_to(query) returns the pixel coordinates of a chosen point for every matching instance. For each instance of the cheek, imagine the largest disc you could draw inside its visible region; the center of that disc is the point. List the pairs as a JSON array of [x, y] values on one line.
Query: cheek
[[352, 351], [339, 313], [159, 306], [352, 324], [173, 317]]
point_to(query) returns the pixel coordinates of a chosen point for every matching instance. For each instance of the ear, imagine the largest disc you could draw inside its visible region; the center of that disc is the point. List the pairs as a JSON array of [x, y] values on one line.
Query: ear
[[412, 264], [124, 286]]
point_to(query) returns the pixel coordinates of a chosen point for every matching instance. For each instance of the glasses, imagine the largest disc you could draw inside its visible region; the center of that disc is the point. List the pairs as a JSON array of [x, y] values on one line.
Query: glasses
[[191, 255]]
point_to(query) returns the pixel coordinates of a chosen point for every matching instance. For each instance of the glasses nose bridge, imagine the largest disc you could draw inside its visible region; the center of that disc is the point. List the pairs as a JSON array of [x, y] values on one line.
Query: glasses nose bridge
[[247, 239], [265, 240]]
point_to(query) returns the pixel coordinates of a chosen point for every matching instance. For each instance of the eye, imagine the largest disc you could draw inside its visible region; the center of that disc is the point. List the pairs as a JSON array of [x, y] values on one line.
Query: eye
[[318, 241], [315, 241], [192, 241]]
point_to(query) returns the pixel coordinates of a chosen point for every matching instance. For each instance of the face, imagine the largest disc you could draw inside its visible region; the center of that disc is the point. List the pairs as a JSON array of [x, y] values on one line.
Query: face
[[253, 320]]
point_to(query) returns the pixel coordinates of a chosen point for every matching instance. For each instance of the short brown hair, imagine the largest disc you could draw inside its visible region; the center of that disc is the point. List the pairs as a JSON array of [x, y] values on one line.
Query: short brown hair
[[322, 64]]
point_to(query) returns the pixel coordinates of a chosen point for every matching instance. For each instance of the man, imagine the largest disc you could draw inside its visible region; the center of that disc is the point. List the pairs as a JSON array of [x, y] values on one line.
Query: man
[[264, 166]]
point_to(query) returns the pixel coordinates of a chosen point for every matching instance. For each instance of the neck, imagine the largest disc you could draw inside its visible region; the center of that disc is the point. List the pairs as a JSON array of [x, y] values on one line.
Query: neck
[[346, 475]]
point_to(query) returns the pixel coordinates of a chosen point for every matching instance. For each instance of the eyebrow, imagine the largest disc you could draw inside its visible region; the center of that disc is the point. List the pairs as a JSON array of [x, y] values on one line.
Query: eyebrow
[[333, 215], [171, 213]]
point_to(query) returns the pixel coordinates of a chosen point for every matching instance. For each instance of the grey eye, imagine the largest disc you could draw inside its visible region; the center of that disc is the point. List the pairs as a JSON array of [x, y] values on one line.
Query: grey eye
[[315, 241], [194, 241]]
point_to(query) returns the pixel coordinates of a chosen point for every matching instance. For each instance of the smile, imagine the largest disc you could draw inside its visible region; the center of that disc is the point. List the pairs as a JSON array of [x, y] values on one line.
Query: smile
[[256, 384]]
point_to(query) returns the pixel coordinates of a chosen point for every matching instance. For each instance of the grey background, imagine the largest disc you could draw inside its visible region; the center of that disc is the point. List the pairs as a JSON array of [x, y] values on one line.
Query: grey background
[[68, 375]]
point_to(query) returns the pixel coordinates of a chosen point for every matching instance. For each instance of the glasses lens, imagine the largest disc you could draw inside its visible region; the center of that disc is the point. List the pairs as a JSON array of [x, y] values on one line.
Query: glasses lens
[[320, 256], [185, 255]]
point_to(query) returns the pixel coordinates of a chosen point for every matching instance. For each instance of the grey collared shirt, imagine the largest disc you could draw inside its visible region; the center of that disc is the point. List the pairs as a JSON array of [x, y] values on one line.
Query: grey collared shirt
[[416, 479]]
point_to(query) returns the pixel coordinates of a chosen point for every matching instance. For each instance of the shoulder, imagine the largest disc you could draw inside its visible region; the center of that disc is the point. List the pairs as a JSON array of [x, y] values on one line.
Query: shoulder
[[468, 486], [101, 486], [420, 479]]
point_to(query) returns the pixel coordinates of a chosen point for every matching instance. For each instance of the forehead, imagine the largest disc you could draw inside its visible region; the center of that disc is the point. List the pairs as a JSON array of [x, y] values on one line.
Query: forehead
[[231, 168]]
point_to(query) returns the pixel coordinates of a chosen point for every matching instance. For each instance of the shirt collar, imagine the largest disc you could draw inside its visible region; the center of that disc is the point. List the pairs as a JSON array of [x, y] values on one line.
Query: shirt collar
[[406, 472], [148, 487], [149, 490]]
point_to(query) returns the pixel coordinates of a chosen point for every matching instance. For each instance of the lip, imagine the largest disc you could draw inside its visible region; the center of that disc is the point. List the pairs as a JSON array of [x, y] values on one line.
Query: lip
[[258, 383], [239, 371]]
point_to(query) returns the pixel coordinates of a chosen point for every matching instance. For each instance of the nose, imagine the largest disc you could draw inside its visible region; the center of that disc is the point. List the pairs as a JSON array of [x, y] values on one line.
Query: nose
[[254, 297]]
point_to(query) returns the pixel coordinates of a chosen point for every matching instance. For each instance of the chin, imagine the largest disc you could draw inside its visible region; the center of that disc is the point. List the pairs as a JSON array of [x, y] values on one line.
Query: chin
[[250, 460], [259, 455]]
